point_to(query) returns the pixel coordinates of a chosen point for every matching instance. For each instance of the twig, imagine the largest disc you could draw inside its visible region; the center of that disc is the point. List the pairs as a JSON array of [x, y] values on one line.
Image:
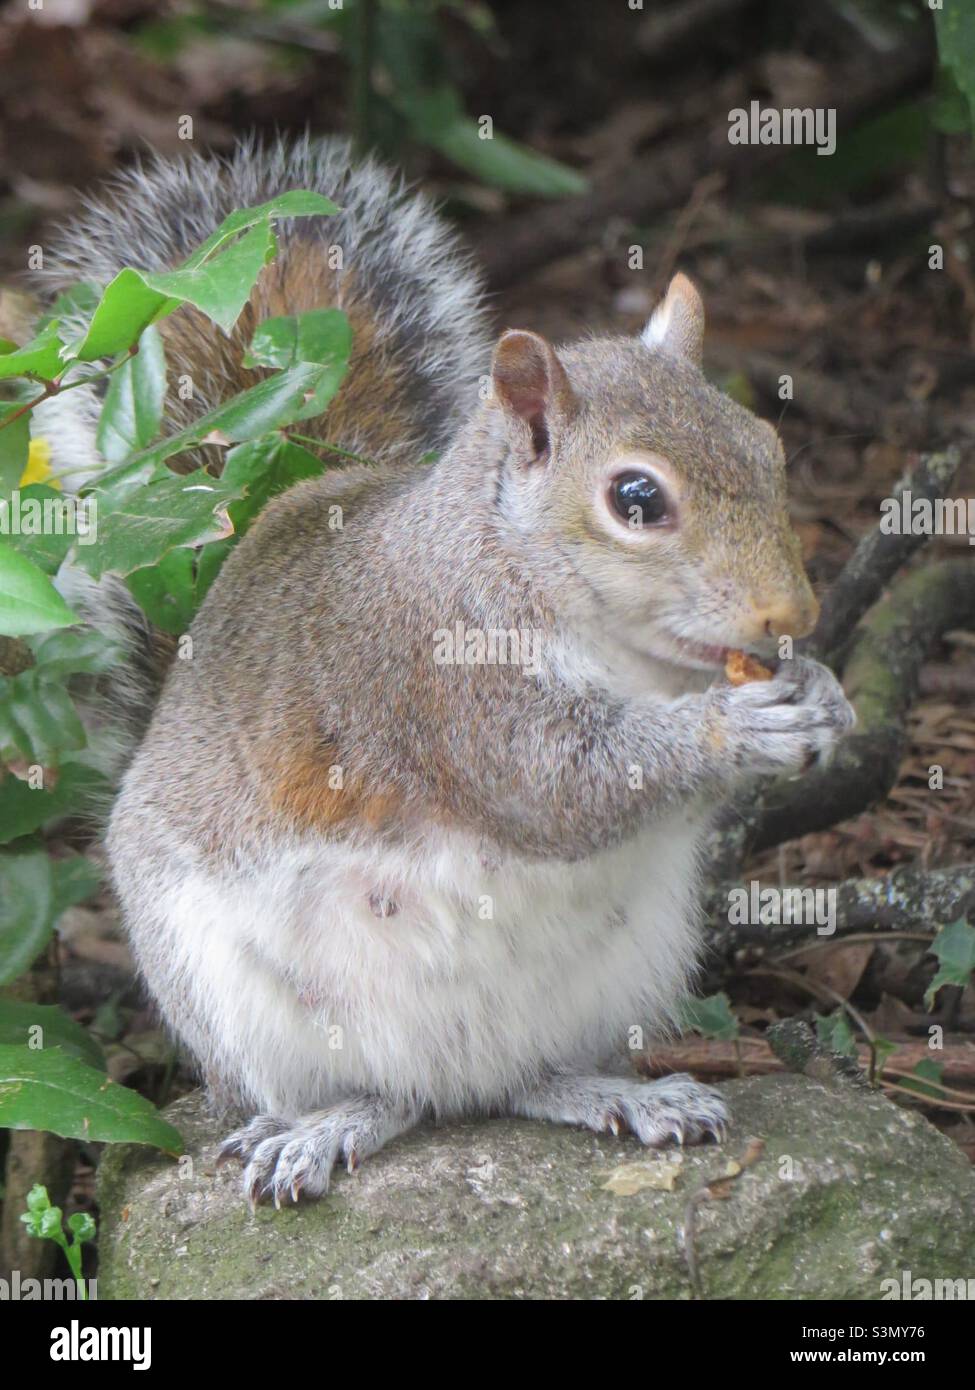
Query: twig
[[936, 1101], [717, 1190], [711, 1058], [878, 557], [58, 387]]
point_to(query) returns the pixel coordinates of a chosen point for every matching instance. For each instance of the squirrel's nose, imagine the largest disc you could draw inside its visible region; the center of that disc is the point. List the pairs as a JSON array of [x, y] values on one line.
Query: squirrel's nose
[[795, 617]]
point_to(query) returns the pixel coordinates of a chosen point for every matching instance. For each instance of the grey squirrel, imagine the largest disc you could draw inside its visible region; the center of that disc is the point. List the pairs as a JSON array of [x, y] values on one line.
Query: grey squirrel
[[415, 830]]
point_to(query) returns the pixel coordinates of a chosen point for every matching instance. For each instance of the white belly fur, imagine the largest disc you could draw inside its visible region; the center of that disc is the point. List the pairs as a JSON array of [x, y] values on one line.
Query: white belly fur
[[293, 988]]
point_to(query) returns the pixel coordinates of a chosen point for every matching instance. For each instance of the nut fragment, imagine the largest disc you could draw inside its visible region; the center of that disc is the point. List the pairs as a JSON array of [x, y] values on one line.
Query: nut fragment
[[740, 668]]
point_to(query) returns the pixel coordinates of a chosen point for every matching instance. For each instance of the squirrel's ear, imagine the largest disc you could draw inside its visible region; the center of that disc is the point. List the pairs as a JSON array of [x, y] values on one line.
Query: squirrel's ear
[[532, 389], [677, 324]]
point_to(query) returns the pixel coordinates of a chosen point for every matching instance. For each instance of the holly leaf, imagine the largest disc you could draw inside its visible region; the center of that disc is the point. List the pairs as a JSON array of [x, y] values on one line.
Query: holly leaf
[[222, 286], [34, 891], [163, 514], [75, 651], [300, 202]]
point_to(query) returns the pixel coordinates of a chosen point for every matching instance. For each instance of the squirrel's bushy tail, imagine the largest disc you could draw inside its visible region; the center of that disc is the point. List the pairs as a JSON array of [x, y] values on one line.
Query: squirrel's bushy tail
[[412, 295]]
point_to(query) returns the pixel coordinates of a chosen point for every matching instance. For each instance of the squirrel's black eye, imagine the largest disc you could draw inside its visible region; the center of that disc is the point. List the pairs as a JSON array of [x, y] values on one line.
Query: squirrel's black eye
[[639, 500]]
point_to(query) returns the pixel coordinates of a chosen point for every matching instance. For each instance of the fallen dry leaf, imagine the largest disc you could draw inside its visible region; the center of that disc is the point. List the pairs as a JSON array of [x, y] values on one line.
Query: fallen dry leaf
[[660, 1176]]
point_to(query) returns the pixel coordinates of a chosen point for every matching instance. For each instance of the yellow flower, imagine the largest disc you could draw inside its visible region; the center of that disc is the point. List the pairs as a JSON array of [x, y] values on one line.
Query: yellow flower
[[38, 468]]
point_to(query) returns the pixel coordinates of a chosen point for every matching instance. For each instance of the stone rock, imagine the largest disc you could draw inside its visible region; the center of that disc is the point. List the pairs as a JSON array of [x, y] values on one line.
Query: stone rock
[[849, 1190]]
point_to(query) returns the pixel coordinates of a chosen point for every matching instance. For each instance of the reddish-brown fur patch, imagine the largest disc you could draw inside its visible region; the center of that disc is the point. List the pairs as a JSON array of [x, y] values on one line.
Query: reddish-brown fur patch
[[300, 790]]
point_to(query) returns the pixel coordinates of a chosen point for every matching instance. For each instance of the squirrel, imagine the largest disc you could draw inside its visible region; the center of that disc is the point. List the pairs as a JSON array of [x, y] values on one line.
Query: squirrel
[[415, 832]]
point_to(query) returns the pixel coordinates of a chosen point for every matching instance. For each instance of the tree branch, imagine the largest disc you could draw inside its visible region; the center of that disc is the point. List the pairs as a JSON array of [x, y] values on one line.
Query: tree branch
[[909, 898], [881, 678]]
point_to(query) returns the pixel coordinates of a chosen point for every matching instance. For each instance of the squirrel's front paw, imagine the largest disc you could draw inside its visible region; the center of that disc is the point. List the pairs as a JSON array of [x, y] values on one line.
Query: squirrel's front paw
[[785, 724], [673, 1108], [284, 1161]]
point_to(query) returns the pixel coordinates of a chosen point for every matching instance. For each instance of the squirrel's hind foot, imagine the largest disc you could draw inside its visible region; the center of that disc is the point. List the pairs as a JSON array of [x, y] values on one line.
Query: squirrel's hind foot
[[656, 1112], [284, 1161]]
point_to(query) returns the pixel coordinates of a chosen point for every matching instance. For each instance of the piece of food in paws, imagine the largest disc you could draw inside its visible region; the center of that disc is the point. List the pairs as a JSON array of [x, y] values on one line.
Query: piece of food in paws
[[740, 668]]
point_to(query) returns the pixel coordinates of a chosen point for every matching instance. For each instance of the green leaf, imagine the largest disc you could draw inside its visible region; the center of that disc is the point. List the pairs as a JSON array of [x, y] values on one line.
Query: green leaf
[[76, 879], [217, 278], [132, 412], [24, 809], [52, 1091], [835, 1033], [166, 592], [711, 1017], [954, 25], [222, 286], [440, 120], [57, 1029], [300, 202], [271, 404], [14, 448], [955, 948], [950, 112], [34, 891], [170, 592], [146, 523], [37, 719], [127, 308], [41, 357], [210, 562], [43, 545], [321, 336], [29, 601], [261, 469], [27, 909], [926, 1071], [504, 163], [75, 651]]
